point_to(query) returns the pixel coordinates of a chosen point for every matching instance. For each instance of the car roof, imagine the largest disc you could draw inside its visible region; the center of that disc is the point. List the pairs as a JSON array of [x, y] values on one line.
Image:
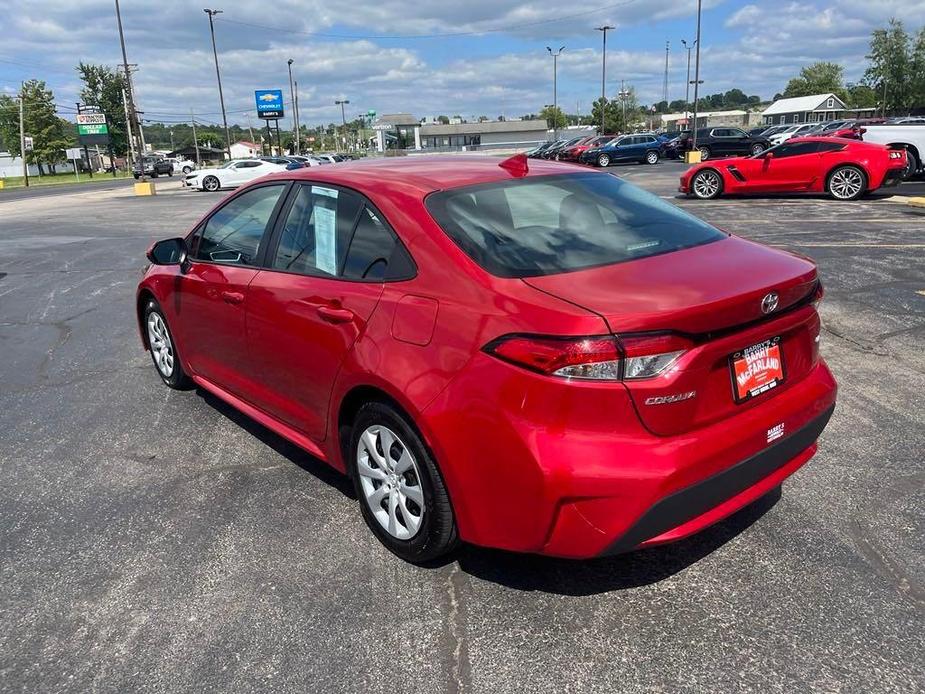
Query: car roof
[[426, 174]]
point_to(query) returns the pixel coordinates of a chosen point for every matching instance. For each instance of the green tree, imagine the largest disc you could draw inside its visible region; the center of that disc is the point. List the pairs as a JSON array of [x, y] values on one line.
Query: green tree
[[677, 105], [554, 117], [734, 97], [443, 120], [861, 96], [889, 71], [102, 89], [818, 78], [41, 123], [918, 70]]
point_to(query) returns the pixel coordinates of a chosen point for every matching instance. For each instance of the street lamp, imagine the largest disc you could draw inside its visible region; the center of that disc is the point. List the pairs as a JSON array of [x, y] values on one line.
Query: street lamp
[[604, 29], [687, 91], [555, 105], [295, 122], [218, 75], [696, 79], [343, 117]]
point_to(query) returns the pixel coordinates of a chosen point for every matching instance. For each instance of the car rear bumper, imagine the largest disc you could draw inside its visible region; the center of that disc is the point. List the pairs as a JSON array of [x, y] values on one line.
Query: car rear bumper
[[568, 470], [893, 177]]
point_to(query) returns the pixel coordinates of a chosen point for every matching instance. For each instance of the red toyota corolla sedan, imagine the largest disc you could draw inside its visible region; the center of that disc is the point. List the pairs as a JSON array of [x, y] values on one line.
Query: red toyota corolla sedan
[[845, 169], [547, 360]]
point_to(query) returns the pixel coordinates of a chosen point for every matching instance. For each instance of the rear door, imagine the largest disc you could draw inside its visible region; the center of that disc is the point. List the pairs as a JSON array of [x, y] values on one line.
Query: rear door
[[226, 254], [329, 257]]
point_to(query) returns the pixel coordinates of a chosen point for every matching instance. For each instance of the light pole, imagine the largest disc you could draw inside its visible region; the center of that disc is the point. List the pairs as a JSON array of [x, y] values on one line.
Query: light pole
[[343, 117], [665, 87], [132, 113], [295, 122], [687, 89], [555, 103], [218, 75], [696, 79], [623, 94], [604, 29]]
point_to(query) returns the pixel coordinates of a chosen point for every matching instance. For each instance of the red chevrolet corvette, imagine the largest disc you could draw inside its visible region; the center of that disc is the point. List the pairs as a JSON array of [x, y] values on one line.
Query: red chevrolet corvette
[[845, 169], [543, 360]]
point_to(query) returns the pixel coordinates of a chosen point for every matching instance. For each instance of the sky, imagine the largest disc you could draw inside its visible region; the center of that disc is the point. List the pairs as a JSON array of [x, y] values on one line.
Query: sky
[[431, 57]]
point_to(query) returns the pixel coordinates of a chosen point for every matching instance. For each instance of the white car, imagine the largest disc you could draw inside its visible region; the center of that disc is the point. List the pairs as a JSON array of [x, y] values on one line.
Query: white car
[[792, 131], [181, 165], [231, 174], [907, 136]]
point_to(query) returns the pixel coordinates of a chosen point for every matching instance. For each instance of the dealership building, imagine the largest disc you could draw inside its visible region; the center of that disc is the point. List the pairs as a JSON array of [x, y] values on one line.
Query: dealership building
[[403, 131]]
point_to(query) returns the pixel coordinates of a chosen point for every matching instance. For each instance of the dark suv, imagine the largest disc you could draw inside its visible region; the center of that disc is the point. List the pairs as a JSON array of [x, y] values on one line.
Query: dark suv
[[716, 143], [153, 167]]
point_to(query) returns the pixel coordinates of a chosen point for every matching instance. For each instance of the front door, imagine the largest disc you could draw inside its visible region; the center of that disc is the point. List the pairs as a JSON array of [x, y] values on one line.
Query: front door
[[325, 276], [793, 167], [212, 296]]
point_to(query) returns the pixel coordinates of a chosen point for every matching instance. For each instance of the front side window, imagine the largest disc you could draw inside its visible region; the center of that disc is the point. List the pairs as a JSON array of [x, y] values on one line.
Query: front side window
[[794, 149], [542, 225], [232, 234]]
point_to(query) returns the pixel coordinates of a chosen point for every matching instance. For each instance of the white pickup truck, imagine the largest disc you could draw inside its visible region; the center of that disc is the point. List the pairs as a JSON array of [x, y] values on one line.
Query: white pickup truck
[[908, 136]]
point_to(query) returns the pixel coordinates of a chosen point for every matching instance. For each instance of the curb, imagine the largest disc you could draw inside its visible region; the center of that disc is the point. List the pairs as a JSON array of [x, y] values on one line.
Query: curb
[[916, 202]]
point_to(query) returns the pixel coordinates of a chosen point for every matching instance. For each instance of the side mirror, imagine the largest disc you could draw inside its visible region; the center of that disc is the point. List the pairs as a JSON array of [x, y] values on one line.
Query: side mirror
[[769, 155], [169, 252]]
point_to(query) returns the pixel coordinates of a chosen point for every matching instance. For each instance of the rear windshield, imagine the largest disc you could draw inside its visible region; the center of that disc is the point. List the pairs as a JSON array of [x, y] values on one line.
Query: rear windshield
[[544, 225]]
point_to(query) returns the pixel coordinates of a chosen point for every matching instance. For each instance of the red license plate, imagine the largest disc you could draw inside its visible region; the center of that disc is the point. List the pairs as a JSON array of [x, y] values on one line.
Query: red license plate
[[757, 369]]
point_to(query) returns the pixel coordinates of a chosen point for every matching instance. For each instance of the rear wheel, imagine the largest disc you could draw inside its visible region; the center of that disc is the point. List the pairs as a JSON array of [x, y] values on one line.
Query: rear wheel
[[846, 183], [651, 157], [170, 173], [757, 148], [603, 160], [211, 184], [912, 165], [401, 493], [187, 169], [706, 184], [704, 153]]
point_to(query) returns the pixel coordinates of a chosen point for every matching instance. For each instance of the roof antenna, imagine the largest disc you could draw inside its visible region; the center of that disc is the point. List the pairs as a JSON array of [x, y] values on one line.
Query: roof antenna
[[517, 164]]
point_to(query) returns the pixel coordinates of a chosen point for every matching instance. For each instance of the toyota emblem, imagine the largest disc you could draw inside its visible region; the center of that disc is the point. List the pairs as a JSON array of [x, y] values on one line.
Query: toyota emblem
[[769, 302]]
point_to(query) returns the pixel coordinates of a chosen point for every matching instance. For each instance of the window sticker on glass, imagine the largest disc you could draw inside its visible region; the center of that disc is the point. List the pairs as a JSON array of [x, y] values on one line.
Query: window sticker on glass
[[326, 239]]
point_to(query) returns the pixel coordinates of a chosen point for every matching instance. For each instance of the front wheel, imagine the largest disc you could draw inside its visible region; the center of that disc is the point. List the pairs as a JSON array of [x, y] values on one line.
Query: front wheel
[[211, 184], [706, 184], [170, 173], [163, 348], [401, 492], [846, 183], [603, 160], [652, 157]]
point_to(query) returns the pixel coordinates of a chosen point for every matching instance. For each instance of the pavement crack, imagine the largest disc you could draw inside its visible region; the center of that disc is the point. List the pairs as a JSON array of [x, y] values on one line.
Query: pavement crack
[[457, 650], [860, 345], [883, 564]]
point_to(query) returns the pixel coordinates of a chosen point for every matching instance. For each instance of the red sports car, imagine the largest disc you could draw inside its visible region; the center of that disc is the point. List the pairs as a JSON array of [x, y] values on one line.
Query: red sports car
[[544, 360], [845, 169]]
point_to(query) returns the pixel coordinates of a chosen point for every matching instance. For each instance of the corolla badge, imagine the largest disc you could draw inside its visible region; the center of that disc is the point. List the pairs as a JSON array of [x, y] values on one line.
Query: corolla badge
[[769, 302]]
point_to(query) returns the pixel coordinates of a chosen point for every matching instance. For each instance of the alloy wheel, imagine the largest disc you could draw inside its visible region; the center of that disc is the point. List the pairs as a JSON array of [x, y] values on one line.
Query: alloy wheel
[[390, 481], [706, 184], [211, 184], [846, 183], [161, 345], [603, 160], [704, 153], [757, 149], [652, 157]]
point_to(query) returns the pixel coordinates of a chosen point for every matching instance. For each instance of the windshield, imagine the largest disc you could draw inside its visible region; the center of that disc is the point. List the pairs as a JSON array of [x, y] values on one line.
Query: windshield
[[543, 225]]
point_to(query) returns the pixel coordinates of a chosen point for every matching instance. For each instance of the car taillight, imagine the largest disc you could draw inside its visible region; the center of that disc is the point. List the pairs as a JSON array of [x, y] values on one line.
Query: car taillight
[[896, 154], [595, 358]]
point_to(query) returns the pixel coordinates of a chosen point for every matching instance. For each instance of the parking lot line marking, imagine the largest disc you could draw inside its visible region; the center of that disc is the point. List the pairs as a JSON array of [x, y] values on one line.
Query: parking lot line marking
[[921, 291]]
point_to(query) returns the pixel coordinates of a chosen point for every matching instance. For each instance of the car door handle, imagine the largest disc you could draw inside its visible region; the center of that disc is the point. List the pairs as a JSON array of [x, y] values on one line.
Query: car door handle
[[232, 297], [335, 315]]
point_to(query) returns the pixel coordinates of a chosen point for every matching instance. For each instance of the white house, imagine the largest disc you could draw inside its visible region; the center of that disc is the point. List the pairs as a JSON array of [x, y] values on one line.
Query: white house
[[805, 109], [245, 150]]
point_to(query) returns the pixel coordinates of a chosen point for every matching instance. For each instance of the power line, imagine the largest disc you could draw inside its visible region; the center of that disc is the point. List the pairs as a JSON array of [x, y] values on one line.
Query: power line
[[446, 34]]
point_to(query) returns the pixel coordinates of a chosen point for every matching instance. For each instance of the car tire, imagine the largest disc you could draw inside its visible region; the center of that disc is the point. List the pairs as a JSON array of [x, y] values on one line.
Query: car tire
[[163, 348], [706, 184], [912, 165], [403, 499], [137, 176], [846, 183], [603, 160], [211, 184], [651, 157], [187, 170], [704, 153], [757, 148], [170, 173]]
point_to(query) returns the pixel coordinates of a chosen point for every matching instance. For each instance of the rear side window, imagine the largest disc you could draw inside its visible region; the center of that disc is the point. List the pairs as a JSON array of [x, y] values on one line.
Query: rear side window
[[232, 235], [544, 225]]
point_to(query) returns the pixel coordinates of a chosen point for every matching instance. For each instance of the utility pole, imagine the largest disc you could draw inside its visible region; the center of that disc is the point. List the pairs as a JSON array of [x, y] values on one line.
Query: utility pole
[[133, 114], [295, 121], [696, 79], [687, 86], [250, 128], [170, 130], [341, 103], [665, 87], [604, 29], [218, 75], [129, 133], [192, 119], [22, 134], [555, 96], [298, 123]]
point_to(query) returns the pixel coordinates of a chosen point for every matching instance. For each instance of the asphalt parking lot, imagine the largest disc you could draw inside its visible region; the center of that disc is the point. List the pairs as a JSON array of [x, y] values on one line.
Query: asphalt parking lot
[[153, 540]]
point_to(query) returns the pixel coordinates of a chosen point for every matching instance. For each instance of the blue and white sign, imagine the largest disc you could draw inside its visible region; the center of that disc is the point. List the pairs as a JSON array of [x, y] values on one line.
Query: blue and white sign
[[269, 103]]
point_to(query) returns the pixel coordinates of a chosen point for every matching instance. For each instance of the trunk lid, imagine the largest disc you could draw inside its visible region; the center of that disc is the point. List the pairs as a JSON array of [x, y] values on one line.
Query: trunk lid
[[712, 293]]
